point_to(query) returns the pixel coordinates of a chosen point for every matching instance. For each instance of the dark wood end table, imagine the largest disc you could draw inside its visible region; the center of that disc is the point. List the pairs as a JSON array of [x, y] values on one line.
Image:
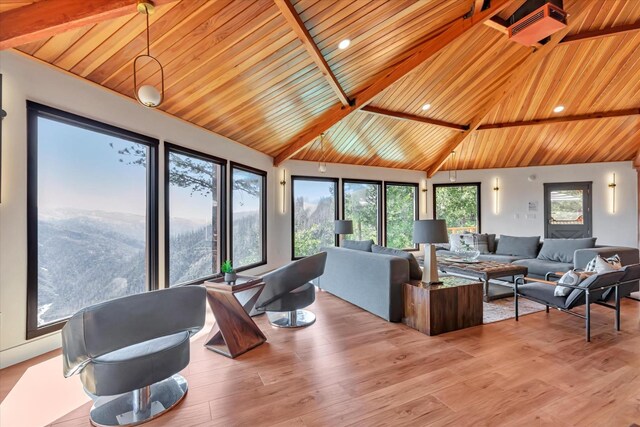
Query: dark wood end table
[[489, 273], [234, 332], [436, 309]]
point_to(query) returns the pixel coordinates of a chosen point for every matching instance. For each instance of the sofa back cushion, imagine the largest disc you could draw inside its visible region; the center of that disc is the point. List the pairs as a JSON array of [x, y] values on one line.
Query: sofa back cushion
[[358, 245], [415, 273], [518, 246], [562, 250]]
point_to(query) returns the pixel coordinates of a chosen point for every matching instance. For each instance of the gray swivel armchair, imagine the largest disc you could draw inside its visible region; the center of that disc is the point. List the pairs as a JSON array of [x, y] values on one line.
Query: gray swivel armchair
[[590, 290], [128, 352], [289, 289]]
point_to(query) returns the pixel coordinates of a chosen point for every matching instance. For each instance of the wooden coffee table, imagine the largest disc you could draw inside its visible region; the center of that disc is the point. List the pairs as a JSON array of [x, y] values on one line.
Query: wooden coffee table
[[234, 332], [436, 309], [489, 272]]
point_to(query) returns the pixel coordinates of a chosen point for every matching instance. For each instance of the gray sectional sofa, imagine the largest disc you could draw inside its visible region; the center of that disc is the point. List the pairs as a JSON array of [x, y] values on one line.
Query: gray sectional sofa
[[373, 281], [550, 255]]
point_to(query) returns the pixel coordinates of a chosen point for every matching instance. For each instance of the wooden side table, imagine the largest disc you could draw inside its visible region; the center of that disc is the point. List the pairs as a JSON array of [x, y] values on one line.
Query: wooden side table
[[234, 332], [436, 309]]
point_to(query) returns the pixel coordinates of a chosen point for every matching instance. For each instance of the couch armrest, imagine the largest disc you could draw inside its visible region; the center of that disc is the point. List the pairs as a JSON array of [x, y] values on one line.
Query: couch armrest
[[581, 257]]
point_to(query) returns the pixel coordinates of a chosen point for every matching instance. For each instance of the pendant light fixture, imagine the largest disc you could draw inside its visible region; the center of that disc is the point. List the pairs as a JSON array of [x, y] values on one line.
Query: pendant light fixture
[[148, 95], [453, 175], [322, 165]]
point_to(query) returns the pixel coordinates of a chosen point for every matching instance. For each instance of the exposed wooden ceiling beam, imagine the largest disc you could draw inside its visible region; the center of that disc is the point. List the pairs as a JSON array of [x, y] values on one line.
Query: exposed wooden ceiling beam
[[295, 22], [517, 76], [412, 117], [636, 164], [47, 18], [598, 34], [565, 119], [423, 52]]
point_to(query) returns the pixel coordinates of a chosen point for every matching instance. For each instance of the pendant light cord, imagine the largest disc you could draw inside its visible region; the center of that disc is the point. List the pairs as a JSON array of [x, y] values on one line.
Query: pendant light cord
[[146, 9]]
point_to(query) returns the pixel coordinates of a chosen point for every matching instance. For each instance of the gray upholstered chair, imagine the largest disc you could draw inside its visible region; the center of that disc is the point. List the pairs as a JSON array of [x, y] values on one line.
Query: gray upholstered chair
[[128, 352], [289, 289], [590, 290]]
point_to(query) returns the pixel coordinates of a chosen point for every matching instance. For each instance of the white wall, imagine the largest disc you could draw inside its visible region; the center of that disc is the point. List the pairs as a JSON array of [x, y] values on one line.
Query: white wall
[[516, 191]]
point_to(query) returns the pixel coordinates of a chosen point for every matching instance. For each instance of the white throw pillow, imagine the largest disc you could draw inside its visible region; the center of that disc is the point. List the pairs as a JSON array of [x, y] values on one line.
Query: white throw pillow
[[604, 265], [613, 260], [568, 278]]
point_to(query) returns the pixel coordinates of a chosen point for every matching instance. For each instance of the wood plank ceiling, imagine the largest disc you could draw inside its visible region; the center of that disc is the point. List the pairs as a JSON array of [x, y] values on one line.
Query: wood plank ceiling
[[238, 69]]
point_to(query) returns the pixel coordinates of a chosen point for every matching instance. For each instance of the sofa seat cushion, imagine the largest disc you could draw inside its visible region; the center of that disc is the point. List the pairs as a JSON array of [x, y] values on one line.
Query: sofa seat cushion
[[415, 273], [137, 366], [526, 247], [539, 268], [562, 250], [358, 245], [542, 292]]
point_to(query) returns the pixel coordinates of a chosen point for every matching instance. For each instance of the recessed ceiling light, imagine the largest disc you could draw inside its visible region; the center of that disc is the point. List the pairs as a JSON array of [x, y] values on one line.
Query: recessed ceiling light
[[425, 107], [344, 44], [559, 109]]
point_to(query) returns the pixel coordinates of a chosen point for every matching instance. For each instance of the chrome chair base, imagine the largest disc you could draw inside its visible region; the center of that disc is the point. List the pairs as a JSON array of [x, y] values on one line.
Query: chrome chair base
[[138, 406], [291, 319]]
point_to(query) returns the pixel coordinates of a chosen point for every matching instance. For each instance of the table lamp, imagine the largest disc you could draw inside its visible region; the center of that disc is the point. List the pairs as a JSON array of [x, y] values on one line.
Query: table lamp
[[430, 231], [343, 227]]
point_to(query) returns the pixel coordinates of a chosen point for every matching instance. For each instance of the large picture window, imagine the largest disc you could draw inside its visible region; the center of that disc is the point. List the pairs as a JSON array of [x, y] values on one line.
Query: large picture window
[[248, 217], [459, 205], [314, 204], [92, 215], [401, 210], [361, 203], [194, 215]]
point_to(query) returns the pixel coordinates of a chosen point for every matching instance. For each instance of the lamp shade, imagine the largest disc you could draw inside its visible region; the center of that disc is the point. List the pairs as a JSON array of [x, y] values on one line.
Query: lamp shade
[[430, 231], [344, 227]]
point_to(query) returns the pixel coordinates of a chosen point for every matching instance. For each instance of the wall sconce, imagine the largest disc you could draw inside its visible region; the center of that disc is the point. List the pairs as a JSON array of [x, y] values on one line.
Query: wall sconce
[[283, 183], [612, 186], [496, 189], [424, 191]]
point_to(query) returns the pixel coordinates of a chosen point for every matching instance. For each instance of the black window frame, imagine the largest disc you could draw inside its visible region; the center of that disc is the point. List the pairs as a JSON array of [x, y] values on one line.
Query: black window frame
[[34, 111], [380, 184], [478, 186], [416, 214], [336, 182], [263, 220], [178, 149]]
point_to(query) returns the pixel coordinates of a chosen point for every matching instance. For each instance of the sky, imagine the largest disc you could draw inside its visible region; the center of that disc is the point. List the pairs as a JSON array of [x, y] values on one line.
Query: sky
[[78, 169]]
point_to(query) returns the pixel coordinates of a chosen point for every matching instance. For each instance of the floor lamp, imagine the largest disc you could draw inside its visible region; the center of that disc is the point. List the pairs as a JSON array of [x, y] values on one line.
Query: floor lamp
[[343, 227], [430, 231]]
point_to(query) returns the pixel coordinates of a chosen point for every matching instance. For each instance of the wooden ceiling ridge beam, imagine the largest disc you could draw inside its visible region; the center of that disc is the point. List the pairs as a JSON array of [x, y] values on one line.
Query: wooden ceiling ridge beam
[[290, 14], [411, 117], [565, 119], [47, 18], [517, 76], [420, 54]]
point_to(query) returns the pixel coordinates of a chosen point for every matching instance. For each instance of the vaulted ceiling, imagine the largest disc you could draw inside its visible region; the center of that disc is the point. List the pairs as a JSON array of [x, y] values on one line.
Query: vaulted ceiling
[[238, 68]]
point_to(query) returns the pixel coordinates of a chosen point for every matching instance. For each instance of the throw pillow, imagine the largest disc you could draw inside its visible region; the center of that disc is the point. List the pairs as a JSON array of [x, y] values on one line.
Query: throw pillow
[[568, 278], [358, 245], [604, 265], [518, 246], [491, 238], [482, 243], [614, 260], [562, 250], [415, 273]]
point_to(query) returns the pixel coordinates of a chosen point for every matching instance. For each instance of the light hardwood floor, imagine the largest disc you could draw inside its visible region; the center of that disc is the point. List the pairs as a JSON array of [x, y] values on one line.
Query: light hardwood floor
[[351, 367]]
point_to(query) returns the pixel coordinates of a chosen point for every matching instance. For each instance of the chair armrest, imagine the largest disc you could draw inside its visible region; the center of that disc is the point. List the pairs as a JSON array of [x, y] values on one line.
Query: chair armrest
[[548, 282]]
